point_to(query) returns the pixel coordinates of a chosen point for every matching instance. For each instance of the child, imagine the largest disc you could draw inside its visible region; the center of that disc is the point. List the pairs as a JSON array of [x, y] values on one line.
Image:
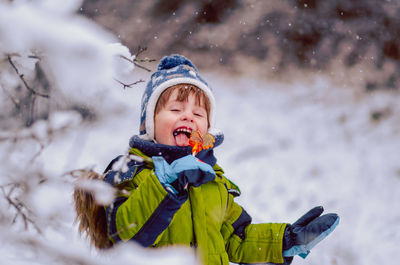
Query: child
[[170, 197]]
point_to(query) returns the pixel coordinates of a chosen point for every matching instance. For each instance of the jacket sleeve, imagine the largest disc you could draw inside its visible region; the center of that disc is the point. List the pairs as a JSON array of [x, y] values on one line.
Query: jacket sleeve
[[143, 211], [251, 243]]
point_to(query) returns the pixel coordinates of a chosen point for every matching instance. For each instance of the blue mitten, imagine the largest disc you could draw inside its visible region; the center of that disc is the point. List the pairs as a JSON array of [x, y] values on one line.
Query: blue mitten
[[300, 237], [164, 173], [182, 172], [192, 172]]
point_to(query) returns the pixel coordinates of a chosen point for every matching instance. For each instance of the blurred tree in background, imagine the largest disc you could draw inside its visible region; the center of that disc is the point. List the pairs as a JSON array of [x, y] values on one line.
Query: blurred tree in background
[[277, 35]]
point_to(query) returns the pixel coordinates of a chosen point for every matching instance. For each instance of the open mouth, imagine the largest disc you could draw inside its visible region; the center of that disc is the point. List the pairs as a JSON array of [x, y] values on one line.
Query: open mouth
[[182, 135]]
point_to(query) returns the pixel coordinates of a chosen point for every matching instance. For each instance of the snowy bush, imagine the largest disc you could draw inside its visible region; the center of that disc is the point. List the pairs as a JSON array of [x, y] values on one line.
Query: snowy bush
[[58, 71]]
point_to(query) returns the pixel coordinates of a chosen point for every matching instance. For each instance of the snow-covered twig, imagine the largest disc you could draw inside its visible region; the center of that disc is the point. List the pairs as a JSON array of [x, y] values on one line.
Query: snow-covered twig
[[145, 60], [129, 85], [19, 206], [137, 61], [21, 76]]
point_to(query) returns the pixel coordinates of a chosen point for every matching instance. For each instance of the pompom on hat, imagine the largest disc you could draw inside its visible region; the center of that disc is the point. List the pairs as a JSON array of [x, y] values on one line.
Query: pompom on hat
[[172, 70]]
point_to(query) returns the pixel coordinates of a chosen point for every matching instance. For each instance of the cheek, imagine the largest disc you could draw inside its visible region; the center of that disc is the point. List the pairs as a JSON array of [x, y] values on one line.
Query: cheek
[[162, 123], [158, 126], [203, 126]]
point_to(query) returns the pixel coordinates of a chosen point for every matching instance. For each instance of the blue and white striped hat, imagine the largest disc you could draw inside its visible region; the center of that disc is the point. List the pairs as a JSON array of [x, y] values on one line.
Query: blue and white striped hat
[[172, 70]]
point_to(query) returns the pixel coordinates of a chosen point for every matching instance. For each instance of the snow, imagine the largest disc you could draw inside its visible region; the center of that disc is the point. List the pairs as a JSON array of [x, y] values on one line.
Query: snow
[[289, 146], [309, 144], [63, 119], [47, 199], [289, 149], [63, 40], [102, 191]]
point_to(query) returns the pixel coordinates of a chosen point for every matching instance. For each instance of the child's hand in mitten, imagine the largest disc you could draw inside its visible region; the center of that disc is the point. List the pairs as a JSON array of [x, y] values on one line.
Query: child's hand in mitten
[[305, 233], [192, 172], [164, 172], [183, 172]]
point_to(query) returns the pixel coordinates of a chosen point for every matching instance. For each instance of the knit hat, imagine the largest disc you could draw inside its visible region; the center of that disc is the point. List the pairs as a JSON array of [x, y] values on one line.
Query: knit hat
[[172, 70]]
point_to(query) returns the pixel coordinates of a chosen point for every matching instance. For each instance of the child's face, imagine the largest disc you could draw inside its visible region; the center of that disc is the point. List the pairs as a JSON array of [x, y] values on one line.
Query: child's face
[[176, 120]]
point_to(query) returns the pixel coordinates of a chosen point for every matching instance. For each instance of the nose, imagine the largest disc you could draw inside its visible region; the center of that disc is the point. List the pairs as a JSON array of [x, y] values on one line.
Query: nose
[[187, 116]]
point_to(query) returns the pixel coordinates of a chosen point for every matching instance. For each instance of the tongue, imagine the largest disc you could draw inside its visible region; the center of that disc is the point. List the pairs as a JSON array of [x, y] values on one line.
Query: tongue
[[181, 140]]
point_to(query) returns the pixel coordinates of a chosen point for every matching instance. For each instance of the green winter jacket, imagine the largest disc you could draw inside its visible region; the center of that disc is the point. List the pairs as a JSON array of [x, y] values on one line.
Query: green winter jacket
[[208, 219]]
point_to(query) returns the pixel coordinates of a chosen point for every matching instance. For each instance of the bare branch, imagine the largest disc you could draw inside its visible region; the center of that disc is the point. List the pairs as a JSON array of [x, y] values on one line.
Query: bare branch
[[15, 137], [19, 206], [140, 50], [145, 60], [13, 99], [38, 153], [31, 112], [129, 85], [21, 76], [34, 57], [137, 61]]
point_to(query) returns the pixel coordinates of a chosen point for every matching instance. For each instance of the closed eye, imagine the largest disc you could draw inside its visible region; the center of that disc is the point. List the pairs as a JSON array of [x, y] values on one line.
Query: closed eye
[[199, 112], [175, 106]]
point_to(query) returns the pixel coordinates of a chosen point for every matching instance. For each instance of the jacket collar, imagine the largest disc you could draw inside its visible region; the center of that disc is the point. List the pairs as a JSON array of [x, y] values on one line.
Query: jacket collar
[[171, 153]]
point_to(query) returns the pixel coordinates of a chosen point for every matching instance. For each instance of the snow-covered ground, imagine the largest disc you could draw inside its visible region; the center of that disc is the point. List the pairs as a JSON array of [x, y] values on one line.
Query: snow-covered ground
[[294, 146], [289, 147]]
